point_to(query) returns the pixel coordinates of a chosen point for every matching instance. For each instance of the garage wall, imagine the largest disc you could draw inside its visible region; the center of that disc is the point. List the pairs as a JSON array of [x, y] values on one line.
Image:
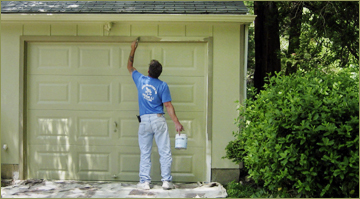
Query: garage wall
[[10, 44], [226, 72]]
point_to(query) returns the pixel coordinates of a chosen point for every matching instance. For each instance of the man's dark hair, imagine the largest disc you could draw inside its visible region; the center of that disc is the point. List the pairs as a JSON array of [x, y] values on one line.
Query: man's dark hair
[[155, 69]]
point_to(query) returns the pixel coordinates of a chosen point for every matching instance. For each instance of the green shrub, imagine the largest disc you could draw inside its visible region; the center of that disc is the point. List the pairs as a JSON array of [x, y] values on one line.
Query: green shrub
[[302, 133], [237, 190]]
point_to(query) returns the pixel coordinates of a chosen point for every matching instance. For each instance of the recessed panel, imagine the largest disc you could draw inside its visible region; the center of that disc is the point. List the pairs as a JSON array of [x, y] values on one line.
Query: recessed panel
[[128, 93], [144, 54], [93, 127], [179, 57], [171, 30], [187, 93], [37, 29], [94, 162], [95, 57], [90, 29], [53, 126], [144, 29], [182, 164], [129, 128], [182, 93], [52, 161], [62, 29], [52, 92], [99, 93], [198, 30], [54, 57], [129, 163]]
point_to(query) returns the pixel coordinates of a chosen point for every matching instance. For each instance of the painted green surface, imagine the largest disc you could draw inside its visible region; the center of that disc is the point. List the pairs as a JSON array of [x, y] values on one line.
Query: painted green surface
[[225, 69], [10, 43]]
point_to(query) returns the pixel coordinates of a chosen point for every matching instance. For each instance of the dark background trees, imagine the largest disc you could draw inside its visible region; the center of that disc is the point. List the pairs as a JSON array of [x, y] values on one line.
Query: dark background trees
[[293, 35]]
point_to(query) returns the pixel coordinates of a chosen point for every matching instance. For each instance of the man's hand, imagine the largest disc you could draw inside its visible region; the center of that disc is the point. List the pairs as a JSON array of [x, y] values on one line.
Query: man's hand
[[134, 45], [179, 127]]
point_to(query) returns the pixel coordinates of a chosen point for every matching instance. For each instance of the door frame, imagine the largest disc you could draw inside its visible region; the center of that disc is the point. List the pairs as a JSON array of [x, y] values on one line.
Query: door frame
[[24, 40]]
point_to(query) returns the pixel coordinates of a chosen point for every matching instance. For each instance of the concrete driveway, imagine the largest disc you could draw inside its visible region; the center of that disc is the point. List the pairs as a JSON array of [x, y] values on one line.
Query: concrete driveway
[[99, 189]]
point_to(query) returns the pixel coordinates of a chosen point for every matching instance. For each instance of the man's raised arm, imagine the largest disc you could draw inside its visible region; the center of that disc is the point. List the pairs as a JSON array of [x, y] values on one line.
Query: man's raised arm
[[130, 66]]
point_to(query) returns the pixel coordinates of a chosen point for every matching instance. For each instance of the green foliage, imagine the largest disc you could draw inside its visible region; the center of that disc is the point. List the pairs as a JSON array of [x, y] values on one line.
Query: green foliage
[[302, 133], [329, 34], [237, 190]]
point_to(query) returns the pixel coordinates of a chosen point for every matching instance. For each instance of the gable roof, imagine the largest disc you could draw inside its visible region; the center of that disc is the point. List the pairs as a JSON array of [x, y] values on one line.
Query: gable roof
[[124, 7]]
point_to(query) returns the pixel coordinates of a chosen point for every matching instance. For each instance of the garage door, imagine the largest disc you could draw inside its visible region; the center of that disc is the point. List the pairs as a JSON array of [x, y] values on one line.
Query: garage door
[[82, 107]]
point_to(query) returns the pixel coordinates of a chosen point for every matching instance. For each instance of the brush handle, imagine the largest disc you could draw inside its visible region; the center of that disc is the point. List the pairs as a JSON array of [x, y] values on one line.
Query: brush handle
[[137, 41]]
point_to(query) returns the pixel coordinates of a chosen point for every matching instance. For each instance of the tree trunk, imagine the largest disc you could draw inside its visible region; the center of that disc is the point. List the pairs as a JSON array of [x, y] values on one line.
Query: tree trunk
[[267, 41], [294, 33]]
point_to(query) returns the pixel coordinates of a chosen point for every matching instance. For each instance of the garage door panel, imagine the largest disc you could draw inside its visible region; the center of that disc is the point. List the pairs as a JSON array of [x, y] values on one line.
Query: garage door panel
[[82, 93], [181, 59], [128, 163], [95, 93], [49, 91], [95, 128], [49, 58], [127, 95], [55, 127], [178, 59], [54, 92], [96, 57], [187, 93], [108, 93], [127, 128], [95, 162], [144, 54], [71, 127], [193, 123], [51, 162], [187, 165]]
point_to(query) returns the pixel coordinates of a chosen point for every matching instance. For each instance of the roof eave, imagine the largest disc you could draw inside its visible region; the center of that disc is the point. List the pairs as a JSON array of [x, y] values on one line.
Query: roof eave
[[43, 17]]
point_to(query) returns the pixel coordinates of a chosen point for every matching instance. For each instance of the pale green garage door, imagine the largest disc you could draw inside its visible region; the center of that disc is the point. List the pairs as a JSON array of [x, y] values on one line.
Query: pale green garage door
[[82, 106]]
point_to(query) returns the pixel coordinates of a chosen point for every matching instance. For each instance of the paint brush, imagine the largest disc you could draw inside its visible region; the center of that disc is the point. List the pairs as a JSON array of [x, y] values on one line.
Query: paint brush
[[137, 41]]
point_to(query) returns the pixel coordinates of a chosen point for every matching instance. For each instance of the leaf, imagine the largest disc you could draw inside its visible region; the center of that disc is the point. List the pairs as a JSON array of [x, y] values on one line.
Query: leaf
[[337, 172], [292, 159], [325, 190], [316, 116]]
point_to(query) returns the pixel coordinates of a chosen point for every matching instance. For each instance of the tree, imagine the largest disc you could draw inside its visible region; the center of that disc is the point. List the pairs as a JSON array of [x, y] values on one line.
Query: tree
[[338, 21], [315, 32], [267, 42], [295, 16]]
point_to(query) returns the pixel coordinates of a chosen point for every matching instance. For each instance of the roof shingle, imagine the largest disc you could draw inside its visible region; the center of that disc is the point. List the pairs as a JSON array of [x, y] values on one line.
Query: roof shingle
[[125, 7]]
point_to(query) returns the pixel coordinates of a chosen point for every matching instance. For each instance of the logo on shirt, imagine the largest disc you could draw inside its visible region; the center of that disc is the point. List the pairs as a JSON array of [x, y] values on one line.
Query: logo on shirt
[[148, 91]]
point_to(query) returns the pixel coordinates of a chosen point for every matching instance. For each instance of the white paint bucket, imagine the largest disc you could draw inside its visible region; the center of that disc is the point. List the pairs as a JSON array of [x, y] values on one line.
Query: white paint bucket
[[180, 141]]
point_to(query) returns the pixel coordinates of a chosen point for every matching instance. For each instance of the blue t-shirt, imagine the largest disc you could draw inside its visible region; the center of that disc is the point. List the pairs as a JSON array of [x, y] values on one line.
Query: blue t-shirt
[[152, 93]]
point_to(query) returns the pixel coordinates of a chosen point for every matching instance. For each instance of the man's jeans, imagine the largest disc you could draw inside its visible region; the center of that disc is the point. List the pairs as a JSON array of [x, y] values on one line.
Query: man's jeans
[[154, 125]]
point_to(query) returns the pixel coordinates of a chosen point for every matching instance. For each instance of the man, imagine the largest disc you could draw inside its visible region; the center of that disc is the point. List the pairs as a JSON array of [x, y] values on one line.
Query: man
[[152, 95]]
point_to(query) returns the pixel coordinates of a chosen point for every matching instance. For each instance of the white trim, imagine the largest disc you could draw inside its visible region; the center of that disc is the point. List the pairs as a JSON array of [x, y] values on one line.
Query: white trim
[[246, 47], [247, 19]]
